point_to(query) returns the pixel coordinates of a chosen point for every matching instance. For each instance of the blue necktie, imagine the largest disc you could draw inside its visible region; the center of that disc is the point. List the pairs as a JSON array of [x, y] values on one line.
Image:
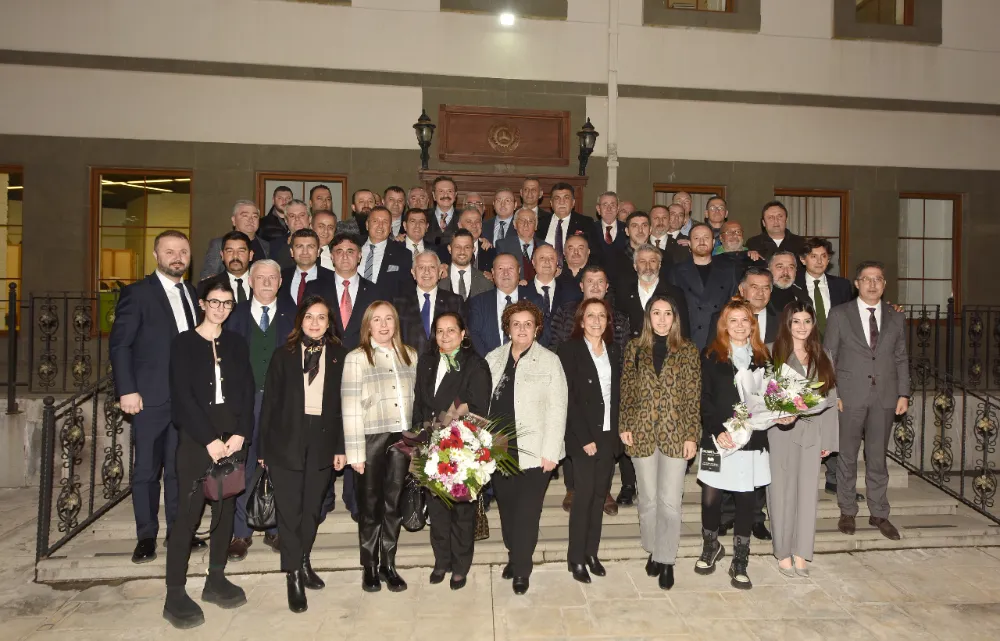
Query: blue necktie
[[425, 315], [545, 296], [265, 322]]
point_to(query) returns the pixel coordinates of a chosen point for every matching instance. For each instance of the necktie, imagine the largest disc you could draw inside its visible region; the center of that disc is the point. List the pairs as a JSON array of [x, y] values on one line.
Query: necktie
[[188, 314], [444, 222], [425, 315], [659, 243], [462, 291], [559, 241], [820, 307], [265, 322], [370, 262], [873, 329], [506, 338], [529, 269], [545, 297], [345, 304], [302, 289], [241, 296], [607, 235], [503, 230]]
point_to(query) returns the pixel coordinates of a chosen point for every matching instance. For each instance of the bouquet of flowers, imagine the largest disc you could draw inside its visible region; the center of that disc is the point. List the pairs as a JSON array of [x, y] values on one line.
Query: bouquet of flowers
[[770, 394]]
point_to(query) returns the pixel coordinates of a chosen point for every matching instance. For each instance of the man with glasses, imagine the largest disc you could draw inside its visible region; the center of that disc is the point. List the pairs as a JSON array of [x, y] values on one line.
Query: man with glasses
[[245, 218], [716, 214], [474, 200], [502, 224]]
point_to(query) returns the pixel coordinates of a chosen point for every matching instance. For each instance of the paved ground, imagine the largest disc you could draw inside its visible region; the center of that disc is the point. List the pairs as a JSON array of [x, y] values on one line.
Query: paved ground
[[945, 594]]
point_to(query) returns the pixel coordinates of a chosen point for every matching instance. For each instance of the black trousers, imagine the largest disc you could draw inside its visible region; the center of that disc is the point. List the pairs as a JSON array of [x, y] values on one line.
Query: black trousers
[[298, 497], [592, 483], [625, 468], [711, 510], [378, 493], [347, 493], [192, 462], [729, 506], [519, 499], [453, 535], [155, 439]]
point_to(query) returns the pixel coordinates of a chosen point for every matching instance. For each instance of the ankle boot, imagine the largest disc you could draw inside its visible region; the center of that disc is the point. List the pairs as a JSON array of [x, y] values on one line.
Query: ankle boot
[[741, 558], [181, 610], [296, 591], [711, 552], [311, 579], [222, 592]]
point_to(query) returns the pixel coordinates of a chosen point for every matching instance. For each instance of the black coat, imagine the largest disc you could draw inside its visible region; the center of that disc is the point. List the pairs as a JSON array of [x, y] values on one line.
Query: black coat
[[620, 267], [192, 385], [628, 301], [704, 299], [411, 325], [394, 274], [718, 396], [284, 439], [472, 384], [766, 247], [349, 336], [576, 223], [325, 277], [585, 407], [273, 229], [841, 290], [781, 297]]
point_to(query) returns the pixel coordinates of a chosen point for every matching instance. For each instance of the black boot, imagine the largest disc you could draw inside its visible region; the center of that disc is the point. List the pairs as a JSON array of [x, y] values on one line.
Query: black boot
[[741, 558], [652, 567], [222, 592], [296, 591], [181, 610], [393, 581], [711, 552], [369, 579], [666, 579], [311, 580]]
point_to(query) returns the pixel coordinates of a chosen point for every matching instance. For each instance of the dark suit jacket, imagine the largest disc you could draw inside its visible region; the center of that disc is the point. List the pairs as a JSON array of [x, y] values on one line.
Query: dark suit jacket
[[356, 224], [437, 236], [770, 331], [585, 413], [678, 253], [512, 245], [489, 228], [223, 277], [284, 438], [411, 326], [482, 259], [281, 253], [272, 228], [576, 223], [781, 297], [478, 280], [394, 275], [350, 336], [841, 289], [620, 265], [765, 245], [212, 264], [718, 395], [139, 345], [472, 384], [484, 330], [628, 301], [564, 293], [283, 317], [601, 248], [323, 275], [703, 300]]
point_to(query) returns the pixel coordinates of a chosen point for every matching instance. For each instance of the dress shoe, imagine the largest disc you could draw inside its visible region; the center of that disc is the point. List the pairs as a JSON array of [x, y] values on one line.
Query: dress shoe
[[595, 566], [567, 501], [846, 524], [887, 529], [611, 506], [369, 579], [520, 585], [393, 581], [222, 592], [273, 541], [145, 551], [198, 543], [181, 610], [831, 488], [508, 572], [296, 591], [238, 548], [579, 572], [652, 567], [457, 583], [310, 579], [437, 576], [760, 531], [626, 496], [666, 580]]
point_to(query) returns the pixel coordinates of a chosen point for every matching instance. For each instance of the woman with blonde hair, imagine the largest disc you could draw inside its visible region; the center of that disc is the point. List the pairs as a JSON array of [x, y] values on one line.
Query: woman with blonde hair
[[377, 400]]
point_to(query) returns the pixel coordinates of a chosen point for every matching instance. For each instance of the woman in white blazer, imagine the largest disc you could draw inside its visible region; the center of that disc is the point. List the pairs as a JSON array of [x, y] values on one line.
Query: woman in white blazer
[[529, 390]]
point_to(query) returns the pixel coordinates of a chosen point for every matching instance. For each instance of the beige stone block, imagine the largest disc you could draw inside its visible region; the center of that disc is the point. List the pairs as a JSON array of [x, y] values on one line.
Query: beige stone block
[[714, 605], [887, 622], [719, 629], [965, 622], [636, 618], [533, 622], [862, 591], [618, 584], [114, 616]]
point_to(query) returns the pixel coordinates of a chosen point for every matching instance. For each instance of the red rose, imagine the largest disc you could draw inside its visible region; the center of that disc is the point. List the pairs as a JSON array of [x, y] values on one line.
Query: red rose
[[443, 468], [484, 455]]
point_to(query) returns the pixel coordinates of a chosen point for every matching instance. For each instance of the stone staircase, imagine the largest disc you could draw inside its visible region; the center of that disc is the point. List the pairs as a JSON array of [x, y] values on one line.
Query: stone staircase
[[926, 518]]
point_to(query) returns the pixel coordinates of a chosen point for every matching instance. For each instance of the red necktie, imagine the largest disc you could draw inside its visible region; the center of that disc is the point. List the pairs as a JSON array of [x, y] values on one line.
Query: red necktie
[[302, 289], [607, 235], [345, 304]]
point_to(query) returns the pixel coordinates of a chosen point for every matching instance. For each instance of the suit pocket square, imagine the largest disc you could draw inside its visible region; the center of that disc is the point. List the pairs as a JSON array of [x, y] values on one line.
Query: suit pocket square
[[393, 268]]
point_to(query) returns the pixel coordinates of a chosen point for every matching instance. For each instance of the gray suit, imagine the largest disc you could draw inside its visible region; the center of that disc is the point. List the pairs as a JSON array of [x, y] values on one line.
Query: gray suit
[[478, 280], [791, 496], [870, 384]]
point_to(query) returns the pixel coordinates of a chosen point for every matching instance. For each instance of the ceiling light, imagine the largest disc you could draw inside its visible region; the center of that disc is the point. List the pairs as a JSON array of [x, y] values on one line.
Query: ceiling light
[[146, 187], [507, 19], [13, 187]]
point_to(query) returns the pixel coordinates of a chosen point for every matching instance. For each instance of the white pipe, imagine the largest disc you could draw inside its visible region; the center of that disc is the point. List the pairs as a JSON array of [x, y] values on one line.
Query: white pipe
[[612, 132]]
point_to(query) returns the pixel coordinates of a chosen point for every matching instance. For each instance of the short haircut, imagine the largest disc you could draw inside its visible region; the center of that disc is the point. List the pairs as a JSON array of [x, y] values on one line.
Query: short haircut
[[535, 178], [441, 179], [781, 252], [753, 270], [305, 232], [697, 225], [773, 203], [317, 187], [663, 207], [235, 235], [816, 243], [354, 196], [257, 265], [378, 208], [579, 235], [296, 201], [593, 269], [463, 233], [562, 187], [343, 237], [427, 252], [607, 193], [526, 209], [470, 208], [416, 210], [866, 264], [709, 201], [281, 188], [243, 202], [322, 212], [394, 189], [645, 247], [170, 233], [636, 214], [522, 306], [502, 190]]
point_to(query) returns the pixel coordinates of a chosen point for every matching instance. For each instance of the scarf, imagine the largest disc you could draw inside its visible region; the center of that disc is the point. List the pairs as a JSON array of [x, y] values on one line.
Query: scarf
[[451, 360], [314, 350]]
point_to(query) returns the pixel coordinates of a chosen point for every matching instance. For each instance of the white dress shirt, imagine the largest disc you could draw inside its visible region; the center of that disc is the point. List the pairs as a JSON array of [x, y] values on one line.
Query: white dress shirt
[[352, 289], [552, 291], [414, 247], [865, 315], [442, 370], [824, 290], [603, 365], [501, 304], [379, 250], [507, 222], [646, 294], [293, 288], [455, 278], [176, 305], [611, 229], [762, 323], [257, 310], [325, 257], [245, 285], [660, 242], [550, 235], [420, 302]]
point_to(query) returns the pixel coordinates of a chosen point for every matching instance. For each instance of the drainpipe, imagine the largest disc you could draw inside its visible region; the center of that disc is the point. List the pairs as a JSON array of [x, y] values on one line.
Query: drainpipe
[[612, 133]]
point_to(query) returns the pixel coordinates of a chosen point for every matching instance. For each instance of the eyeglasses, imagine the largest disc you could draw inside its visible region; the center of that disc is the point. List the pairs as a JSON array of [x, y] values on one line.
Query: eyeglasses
[[872, 280], [215, 302], [732, 233], [717, 208]]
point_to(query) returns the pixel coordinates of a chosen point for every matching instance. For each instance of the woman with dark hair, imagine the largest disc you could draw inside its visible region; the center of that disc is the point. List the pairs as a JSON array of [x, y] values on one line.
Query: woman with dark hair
[[302, 438], [529, 392], [377, 395], [737, 347], [592, 366], [660, 426], [447, 377], [211, 384], [796, 450]]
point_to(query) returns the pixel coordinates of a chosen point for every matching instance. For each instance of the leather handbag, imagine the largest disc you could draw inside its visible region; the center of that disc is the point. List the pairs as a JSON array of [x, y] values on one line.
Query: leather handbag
[[261, 511], [482, 531], [225, 478], [413, 505]]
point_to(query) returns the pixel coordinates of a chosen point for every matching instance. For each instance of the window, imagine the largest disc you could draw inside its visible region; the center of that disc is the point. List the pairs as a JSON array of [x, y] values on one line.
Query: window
[[301, 184], [891, 12], [701, 5], [700, 195], [12, 186], [819, 213], [734, 15], [929, 233], [891, 20]]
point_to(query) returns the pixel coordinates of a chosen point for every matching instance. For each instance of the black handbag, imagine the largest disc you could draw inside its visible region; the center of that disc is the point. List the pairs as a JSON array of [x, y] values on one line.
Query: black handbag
[[413, 505], [261, 512]]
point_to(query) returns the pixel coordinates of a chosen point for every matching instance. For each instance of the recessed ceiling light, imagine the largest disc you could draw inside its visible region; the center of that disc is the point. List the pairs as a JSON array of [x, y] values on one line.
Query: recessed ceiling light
[[507, 19]]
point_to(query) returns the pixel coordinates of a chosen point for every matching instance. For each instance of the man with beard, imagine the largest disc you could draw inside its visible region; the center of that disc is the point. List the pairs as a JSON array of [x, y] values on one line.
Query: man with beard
[[324, 223], [683, 199], [149, 314], [502, 224], [444, 222], [417, 198], [362, 203], [782, 266], [632, 299], [557, 226], [621, 262], [297, 217], [464, 279], [394, 199], [236, 256], [246, 219], [385, 262], [625, 209], [471, 220], [273, 227], [486, 309], [707, 284]]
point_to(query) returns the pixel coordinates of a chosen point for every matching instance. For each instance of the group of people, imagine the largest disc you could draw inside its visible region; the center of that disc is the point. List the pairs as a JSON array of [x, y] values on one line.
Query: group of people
[[312, 343]]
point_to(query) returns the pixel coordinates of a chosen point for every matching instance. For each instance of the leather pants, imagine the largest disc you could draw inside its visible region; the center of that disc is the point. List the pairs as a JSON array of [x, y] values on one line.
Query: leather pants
[[378, 492]]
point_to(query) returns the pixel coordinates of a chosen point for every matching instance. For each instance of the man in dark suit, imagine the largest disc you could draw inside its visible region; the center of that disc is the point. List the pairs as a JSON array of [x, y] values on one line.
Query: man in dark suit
[[150, 313], [305, 252], [297, 217], [577, 257], [273, 226], [385, 262], [782, 266], [775, 234], [418, 309], [245, 218], [522, 245], [609, 232], [471, 220], [866, 338], [236, 257], [648, 282], [826, 291], [265, 321], [462, 278], [362, 203], [553, 292], [444, 220], [531, 195], [556, 227], [486, 308], [621, 262], [502, 223], [707, 284], [673, 242]]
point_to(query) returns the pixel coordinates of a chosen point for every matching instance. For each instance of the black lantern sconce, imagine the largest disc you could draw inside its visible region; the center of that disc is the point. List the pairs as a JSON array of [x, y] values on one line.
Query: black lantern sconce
[[588, 137], [425, 133]]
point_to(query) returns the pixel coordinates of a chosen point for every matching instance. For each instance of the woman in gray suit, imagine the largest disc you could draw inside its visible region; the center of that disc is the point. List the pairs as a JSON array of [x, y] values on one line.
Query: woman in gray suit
[[796, 449]]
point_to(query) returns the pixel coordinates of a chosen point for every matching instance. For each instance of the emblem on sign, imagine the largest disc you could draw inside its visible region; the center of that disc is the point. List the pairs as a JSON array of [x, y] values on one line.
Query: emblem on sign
[[503, 138]]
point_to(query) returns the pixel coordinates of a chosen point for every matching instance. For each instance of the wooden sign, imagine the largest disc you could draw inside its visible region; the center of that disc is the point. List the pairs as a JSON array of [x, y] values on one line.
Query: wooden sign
[[492, 135]]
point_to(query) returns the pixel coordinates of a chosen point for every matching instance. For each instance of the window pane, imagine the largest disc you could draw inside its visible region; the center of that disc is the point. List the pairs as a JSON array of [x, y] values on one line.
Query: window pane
[[891, 12], [911, 217], [937, 292], [826, 221], [797, 207], [910, 292], [939, 217], [911, 259], [937, 259], [12, 192], [700, 5]]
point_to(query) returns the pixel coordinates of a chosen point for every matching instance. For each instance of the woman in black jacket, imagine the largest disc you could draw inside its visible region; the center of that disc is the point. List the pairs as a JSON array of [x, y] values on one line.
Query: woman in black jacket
[[302, 438], [212, 392], [592, 364], [451, 375]]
